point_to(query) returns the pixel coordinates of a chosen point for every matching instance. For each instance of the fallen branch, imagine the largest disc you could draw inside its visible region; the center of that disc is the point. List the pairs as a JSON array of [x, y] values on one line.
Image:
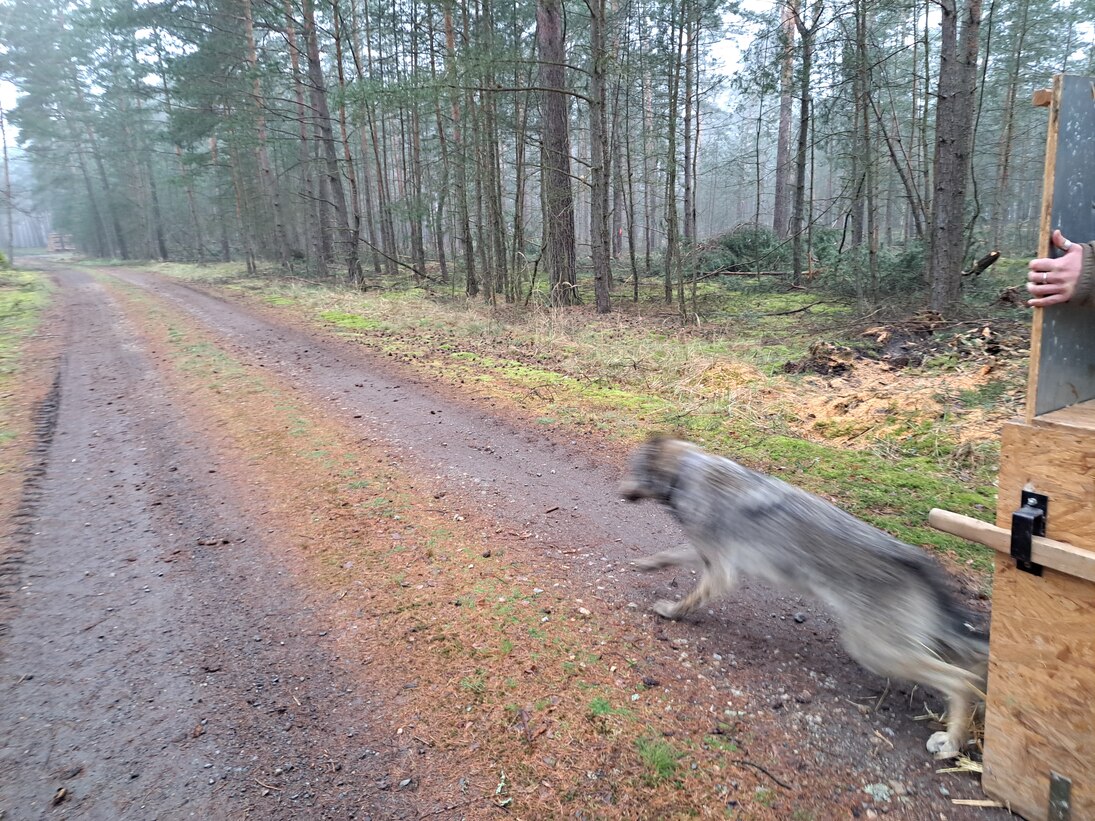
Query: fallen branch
[[749, 763], [982, 264], [797, 310]]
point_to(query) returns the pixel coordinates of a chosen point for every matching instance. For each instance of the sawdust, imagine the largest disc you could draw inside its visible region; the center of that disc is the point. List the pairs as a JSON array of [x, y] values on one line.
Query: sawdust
[[873, 401], [841, 395]]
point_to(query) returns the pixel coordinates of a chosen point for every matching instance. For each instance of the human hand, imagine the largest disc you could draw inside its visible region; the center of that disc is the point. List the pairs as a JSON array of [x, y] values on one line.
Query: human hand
[[1052, 281]]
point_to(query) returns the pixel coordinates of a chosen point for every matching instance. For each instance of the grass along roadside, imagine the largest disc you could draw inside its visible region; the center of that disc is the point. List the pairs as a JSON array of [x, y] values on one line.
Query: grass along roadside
[[886, 444], [24, 296], [26, 374], [526, 697]]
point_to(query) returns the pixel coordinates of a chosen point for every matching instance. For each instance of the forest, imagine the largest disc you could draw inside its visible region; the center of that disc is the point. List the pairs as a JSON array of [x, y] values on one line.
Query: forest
[[548, 151], [311, 431]]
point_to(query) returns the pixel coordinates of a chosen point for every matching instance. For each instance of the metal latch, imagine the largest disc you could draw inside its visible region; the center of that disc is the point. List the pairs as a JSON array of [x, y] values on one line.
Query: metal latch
[[1026, 523], [1060, 798]]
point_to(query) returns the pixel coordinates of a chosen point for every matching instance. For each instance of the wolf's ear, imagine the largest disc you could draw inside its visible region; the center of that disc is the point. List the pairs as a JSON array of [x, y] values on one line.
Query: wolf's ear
[[659, 438]]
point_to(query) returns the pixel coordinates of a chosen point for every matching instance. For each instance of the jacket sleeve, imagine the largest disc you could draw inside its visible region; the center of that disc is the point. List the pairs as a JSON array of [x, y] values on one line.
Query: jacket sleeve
[[1085, 285]]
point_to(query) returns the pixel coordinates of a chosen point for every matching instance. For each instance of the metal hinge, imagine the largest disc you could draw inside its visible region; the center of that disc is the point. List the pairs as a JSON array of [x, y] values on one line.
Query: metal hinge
[[1060, 797], [1026, 523]]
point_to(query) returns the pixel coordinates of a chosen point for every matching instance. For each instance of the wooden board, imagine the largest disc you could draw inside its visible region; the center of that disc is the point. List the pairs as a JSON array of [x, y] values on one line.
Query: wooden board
[[1081, 415], [1062, 367], [1040, 712], [1075, 561], [1058, 461]]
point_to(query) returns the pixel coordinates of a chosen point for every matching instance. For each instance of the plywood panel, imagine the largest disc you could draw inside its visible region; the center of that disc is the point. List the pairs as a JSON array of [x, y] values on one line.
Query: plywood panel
[[1062, 368], [1058, 460], [1080, 415], [1040, 713]]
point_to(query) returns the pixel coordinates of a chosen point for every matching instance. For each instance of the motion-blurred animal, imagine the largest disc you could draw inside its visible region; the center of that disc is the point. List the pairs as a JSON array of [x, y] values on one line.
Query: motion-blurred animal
[[893, 603]]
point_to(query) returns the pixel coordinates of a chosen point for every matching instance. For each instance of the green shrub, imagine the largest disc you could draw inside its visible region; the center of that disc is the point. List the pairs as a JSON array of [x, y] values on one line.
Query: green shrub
[[749, 247]]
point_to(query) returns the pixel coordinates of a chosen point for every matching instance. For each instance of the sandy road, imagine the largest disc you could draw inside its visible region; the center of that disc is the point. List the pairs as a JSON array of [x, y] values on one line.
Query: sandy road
[[145, 674]]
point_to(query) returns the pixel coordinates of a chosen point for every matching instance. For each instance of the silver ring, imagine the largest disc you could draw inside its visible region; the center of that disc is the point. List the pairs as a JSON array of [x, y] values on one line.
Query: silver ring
[[1067, 245], [1045, 276]]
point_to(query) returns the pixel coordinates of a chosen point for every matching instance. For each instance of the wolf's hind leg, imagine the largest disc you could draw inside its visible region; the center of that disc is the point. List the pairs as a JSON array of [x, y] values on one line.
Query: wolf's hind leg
[[960, 710], [889, 655]]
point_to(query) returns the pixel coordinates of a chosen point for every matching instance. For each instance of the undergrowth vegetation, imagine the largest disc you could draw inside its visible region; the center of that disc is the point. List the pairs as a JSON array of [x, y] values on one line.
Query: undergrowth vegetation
[[886, 413]]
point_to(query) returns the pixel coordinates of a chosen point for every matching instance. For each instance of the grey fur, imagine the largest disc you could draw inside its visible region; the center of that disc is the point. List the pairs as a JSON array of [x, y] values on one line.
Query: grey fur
[[891, 600]]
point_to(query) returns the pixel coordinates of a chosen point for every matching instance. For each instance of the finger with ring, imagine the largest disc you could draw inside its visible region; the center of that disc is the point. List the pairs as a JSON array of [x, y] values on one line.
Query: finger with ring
[[1045, 276], [1067, 245]]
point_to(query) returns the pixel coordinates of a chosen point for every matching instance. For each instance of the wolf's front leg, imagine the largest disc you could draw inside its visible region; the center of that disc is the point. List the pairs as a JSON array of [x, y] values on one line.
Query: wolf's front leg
[[674, 557], [713, 583]]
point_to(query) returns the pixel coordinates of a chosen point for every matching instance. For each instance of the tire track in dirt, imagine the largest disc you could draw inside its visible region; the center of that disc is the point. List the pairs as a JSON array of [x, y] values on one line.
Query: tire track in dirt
[[145, 672], [564, 495], [22, 520]]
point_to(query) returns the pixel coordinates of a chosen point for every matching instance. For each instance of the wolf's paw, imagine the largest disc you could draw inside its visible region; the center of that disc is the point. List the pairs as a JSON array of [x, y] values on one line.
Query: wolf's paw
[[649, 563], [942, 746], [667, 609]]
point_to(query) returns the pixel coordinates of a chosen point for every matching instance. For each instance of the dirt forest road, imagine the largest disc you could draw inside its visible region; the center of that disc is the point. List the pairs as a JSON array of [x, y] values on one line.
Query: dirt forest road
[[167, 652]]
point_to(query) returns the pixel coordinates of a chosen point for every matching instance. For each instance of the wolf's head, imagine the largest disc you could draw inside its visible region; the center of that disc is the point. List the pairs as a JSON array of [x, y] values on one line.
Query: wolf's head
[[654, 469]]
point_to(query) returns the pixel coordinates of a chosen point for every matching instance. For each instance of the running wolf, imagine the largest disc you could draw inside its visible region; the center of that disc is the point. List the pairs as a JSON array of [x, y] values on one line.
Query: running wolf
[[897, 617]]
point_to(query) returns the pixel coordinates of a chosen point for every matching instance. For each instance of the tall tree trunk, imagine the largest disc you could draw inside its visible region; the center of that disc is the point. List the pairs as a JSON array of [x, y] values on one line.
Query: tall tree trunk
[[262, 154], [619, 187], [248, 239], [378, 260], [492, 173], [326, 132], [324, 241], [378, 134], [353, 265], [521, 104], [222, 221], [521, 109], [780, 207], [953, 131], [154, 203], [672, 224], [600, 164], [798, 221], [630, 173], [689, 233], [649, 204], [922, 142], [102, 245], [866, 142], [418, 213], [476, 151], [1007, 132], [460, 157], [306, 185], [558, 197], [9, 200], [108, 194], [145, 153], [443, 169]]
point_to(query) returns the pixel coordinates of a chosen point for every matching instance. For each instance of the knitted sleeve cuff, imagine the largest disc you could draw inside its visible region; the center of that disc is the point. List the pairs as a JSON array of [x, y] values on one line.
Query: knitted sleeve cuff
[[1085, 285]]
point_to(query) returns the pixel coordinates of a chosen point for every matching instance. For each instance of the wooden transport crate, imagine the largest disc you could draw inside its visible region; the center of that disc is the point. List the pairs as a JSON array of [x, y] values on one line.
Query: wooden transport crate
[[1040, 710]]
